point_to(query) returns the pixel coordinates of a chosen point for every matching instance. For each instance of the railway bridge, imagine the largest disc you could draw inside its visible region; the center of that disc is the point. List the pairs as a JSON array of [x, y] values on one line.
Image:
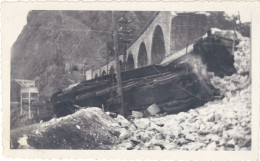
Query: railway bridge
[[164, 35]]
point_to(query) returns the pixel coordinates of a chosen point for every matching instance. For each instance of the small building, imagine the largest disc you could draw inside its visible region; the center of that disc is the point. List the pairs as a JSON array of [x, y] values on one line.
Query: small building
[[26, 93]]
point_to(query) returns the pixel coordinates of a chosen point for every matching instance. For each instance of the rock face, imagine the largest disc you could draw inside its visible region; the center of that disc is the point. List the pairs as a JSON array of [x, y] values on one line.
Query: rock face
[[53, 40], [89, 128]]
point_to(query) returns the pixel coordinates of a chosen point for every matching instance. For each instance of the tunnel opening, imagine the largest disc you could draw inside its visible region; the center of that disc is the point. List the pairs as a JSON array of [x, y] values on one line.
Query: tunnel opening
[[142, 56], [158, 46], [130, 62]]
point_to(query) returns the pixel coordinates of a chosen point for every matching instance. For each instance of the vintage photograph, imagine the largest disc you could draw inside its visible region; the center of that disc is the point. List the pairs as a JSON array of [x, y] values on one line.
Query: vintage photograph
[[132, 80]]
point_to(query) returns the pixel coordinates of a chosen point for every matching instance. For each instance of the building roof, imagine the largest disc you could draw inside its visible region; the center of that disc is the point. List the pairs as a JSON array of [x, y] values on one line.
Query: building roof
[[25, 83]]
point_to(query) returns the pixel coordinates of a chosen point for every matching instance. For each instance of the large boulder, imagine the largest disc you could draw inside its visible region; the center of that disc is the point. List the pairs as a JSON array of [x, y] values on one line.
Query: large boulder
[[89, 128]]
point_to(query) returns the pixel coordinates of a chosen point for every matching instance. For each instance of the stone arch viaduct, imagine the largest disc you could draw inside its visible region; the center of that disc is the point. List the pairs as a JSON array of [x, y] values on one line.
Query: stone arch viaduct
[[163, 35]]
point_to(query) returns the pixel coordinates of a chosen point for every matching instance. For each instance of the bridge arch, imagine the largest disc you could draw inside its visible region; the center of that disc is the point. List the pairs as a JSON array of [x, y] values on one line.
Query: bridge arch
[[142, 55], [103, 73], [112, 70], [158, 45], [130, 62]]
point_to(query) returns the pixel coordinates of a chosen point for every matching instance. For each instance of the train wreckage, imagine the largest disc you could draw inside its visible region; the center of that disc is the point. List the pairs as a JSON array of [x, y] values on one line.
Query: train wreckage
[[174, 85]]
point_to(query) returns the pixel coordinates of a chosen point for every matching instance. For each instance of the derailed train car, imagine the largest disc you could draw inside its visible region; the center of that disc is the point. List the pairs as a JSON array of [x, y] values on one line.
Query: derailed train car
[[174, 86]]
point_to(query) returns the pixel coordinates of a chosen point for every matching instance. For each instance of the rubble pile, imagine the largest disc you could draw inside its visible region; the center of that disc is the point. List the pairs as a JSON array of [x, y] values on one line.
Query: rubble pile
[[88, 128], [242, 55], [230, 85], [218, 125]]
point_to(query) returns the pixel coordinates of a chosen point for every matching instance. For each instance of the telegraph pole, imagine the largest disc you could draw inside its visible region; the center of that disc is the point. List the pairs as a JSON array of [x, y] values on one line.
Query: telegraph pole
[[116, 49], [124, 35]]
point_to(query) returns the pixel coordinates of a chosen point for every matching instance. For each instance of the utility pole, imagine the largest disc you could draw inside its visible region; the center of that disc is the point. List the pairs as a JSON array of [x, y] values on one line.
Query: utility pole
[[29, 102], [124, 34], [116, 49]]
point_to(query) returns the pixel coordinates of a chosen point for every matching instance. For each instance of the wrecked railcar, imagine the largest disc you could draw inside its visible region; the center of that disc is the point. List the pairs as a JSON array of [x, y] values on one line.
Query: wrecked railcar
[[174, 86], [171, 88]]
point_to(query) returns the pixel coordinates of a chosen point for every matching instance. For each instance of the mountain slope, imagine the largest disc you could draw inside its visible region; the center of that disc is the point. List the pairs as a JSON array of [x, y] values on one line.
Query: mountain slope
[[52, 41]]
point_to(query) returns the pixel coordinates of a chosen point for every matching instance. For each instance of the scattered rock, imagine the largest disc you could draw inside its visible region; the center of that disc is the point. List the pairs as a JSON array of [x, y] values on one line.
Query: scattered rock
[[23, 144], [155, 148], [182, 141], [142, 123], [78, 127], [212, 146], [125, 135], [135, 141], [159, 136], [244, 142], [111, 114], [141, 146], [153, 109], [215, 138], [190, 137], [195, 146], [132, 127], [235, 134], [211, 117], [171, 146], [145, 136], [154, 127], [231, 143], [137, 114], [237, 148], [222, 142], [126, 145], [123, 122]]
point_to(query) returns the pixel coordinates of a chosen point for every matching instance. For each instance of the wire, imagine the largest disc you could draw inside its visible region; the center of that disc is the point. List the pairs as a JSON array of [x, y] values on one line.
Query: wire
[[65, 29], [73, 51]]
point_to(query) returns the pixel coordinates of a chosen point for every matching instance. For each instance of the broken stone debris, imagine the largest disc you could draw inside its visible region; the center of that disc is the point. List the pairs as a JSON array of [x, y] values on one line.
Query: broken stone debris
[[206, 132], [223, 124], [137, 114], [88, 128], [153, 109]]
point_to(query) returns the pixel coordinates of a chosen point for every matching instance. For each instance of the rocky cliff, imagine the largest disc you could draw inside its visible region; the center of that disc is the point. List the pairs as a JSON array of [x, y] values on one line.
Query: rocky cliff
[[52, 41]]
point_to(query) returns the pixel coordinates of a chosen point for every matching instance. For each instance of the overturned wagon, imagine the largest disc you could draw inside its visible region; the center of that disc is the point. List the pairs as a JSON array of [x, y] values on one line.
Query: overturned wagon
[[174, 86]]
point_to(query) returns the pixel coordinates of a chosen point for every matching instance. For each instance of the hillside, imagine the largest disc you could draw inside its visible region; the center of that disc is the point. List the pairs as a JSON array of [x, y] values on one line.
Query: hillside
[[52, 41]]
